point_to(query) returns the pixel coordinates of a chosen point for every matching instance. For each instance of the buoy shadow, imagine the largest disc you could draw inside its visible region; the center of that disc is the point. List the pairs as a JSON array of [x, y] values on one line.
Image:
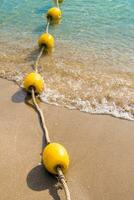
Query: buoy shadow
[[19, 96], [42, 10], [22, 97], [38, 179], [32, 56], [38, 29]]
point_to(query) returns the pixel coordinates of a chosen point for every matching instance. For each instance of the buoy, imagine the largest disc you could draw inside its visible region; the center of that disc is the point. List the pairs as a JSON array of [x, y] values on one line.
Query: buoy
[[54, 15], [47, 40], [55, 155], [34, 80]]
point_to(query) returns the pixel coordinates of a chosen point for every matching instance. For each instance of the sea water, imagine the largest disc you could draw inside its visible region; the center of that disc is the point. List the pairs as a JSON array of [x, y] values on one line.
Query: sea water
[[92, 66]]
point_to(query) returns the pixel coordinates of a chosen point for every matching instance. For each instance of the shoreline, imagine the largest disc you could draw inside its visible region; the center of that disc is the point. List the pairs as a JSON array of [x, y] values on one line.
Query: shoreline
[[100, 148], [75, 80]]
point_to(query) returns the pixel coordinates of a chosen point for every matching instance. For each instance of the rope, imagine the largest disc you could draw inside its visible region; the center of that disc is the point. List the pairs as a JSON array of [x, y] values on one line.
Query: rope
[[44, 128], [38, 59], [47, 26], [62, 179], [41, 50], [61, 176], [57, 3]]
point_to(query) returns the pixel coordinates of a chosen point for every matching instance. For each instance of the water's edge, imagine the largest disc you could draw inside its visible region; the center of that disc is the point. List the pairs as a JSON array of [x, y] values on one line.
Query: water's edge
[[53, 98]]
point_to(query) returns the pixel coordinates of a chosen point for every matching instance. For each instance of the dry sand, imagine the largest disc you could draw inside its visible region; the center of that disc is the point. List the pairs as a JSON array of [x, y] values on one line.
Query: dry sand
[[101, 149]]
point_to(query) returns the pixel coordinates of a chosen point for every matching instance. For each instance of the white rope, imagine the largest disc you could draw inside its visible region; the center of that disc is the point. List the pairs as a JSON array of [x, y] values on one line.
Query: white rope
[[41, 50], [38, 59], [44, 128], [57, 3], [61, 177], [47, 26]]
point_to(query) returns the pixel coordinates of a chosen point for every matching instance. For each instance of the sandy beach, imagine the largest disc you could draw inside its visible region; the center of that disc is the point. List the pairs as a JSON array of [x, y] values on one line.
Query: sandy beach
[[101, 150]]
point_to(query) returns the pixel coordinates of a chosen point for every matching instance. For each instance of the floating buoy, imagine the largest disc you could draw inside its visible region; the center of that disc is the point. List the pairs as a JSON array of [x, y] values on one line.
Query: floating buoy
[[34, 80], [55, 155], [54, 15], [46, 40]]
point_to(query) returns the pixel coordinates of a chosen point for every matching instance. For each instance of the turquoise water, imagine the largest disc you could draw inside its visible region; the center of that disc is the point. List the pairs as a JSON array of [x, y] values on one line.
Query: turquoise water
[[92, 67], [100, 23]]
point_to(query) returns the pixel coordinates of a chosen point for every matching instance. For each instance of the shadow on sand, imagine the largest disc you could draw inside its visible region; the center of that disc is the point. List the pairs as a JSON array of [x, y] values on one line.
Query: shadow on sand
[[19, 96], [38, 179]]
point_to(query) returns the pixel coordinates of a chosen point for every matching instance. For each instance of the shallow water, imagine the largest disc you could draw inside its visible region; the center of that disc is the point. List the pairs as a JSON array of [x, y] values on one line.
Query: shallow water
[[92, 66]]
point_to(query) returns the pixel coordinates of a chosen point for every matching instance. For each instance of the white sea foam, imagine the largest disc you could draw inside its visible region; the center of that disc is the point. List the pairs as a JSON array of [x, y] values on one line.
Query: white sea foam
[[55, 98]]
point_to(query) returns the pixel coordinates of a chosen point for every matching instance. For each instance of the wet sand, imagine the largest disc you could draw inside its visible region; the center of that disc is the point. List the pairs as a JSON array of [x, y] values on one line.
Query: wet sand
[[101, 149]]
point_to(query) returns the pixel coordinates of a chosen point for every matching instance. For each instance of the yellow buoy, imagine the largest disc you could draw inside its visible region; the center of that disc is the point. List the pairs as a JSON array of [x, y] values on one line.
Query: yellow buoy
[[46, 40], [55, 155], [34, 80], [54, 15]]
